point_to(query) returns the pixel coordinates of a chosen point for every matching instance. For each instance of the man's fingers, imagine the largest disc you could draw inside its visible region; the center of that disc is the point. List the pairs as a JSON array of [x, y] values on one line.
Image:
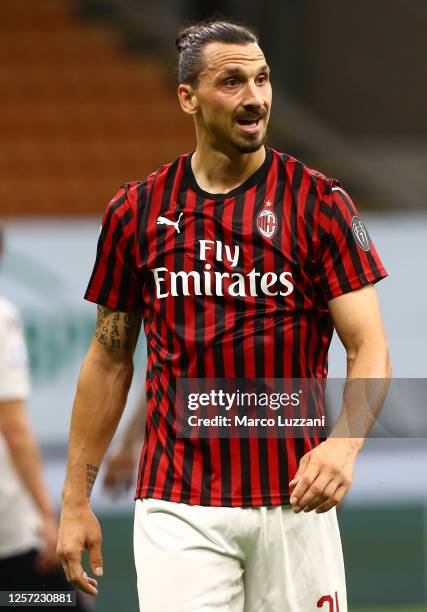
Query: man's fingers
[[333, 500], [95, 558], [315, 490], [318, 501], [66, 570], [303, 464], [92, 581], [79, 577], [327, 493], [64, 562], [303, 484]]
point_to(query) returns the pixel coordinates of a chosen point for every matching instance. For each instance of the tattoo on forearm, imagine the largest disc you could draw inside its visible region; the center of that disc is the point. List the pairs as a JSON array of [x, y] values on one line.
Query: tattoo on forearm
[[91, 473], [102, 325], [116, 330], [115, 334], [127, 340]]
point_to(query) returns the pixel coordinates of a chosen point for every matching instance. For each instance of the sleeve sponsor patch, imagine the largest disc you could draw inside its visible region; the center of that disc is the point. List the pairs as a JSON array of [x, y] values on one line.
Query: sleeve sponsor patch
[[360, 233]]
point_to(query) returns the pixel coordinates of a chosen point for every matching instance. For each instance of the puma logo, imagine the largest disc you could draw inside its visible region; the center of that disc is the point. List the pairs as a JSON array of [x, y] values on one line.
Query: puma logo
[[165, 221]]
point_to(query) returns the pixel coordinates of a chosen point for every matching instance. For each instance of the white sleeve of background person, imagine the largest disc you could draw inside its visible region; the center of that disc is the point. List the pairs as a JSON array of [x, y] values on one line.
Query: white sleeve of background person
[[14, 377], [20, 522]]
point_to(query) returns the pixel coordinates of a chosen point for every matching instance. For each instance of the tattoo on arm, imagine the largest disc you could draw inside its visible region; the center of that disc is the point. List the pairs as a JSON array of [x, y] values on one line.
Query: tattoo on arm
[[91, 473], [102, 326], [118, 331]]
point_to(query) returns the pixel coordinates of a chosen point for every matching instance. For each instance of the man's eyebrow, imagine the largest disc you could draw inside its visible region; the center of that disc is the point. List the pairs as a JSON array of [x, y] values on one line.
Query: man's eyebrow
[[237, 70]]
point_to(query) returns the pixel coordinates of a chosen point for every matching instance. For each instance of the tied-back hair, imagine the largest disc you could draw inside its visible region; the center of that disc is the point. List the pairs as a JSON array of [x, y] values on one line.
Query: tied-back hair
[[190, 43]]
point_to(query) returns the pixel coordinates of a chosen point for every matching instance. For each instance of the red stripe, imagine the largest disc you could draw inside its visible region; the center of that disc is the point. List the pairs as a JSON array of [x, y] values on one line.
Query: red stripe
[[271, 308], [168, 373], [154, 204], [287, 322], [248, 326], [228, 356]]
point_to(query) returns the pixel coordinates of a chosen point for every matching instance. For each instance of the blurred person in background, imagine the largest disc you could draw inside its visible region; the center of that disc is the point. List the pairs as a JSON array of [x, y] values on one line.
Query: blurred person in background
[[120, 462], [28, 524], [242, 261]]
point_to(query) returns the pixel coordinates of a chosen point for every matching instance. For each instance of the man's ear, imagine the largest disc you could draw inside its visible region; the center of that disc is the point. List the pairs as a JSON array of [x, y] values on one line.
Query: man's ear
[[188, 99]]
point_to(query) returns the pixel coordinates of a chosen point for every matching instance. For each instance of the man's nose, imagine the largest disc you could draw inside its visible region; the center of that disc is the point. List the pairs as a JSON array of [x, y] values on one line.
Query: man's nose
[[253, 96]]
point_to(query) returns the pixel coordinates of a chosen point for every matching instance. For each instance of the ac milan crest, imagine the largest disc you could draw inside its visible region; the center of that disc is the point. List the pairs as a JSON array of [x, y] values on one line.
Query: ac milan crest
[[267, 221]]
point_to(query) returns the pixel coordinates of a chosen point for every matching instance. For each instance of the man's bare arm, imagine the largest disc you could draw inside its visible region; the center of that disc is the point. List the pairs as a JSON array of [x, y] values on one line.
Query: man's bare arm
[[102, 390], [25, 455], [325, 473], [24, 452]]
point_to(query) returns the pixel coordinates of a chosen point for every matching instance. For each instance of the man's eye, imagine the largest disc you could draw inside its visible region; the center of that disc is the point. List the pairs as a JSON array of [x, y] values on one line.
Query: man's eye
[[262, 78], [231, 82]]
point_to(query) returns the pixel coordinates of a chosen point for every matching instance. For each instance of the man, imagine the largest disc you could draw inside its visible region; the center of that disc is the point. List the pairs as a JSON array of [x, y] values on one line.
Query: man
[[28, 524], [241, 261]]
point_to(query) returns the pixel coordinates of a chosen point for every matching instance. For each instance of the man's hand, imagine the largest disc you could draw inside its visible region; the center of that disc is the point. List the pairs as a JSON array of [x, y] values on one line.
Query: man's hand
[[119, 469], [324, 475], [79, 529]]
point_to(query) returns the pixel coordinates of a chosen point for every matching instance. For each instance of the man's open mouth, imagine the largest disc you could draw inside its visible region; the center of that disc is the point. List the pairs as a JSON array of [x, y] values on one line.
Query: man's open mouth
[[250, 122]]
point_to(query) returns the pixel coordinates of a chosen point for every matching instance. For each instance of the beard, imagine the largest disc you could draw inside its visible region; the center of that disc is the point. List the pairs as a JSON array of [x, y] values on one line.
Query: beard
[[250, 143]]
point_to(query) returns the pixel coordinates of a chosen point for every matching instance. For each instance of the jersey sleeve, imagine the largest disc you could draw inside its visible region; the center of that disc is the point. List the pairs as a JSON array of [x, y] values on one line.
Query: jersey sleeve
[[349, 259], [115, 281], [14, 374]]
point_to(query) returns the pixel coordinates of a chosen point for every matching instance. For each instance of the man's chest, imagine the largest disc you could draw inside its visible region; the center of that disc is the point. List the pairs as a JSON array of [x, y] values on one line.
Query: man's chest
[[250, 246]]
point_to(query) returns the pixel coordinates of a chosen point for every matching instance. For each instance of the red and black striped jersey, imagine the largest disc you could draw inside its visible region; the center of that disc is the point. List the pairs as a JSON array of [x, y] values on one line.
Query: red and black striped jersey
[[230, 285]]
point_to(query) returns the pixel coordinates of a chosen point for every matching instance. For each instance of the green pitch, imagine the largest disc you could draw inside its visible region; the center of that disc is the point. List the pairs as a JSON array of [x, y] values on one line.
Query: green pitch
[[388, 609]]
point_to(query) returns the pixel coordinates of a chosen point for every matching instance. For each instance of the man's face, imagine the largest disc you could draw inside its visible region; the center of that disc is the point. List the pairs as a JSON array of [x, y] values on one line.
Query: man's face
[[234, 96]]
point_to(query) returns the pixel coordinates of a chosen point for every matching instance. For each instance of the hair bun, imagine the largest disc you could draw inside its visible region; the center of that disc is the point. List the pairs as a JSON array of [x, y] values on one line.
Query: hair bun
[[194, 38]]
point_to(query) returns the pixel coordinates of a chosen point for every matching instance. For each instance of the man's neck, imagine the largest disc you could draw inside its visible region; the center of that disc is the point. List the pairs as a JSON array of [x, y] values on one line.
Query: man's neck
[[217, 172]]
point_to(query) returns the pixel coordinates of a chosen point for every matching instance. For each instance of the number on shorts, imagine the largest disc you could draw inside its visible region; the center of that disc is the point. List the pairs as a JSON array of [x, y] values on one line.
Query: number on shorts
[[333, 605]]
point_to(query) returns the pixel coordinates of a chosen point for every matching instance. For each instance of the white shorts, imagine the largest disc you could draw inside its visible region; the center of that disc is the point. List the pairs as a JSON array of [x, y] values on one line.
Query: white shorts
[[263, 559]]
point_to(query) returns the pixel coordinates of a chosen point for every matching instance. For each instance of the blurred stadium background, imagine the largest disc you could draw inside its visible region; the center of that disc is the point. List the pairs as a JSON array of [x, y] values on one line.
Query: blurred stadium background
[[88, 102]]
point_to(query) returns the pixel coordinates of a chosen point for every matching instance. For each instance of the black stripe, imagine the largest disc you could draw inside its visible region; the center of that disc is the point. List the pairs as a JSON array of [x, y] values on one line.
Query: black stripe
[[299, 298], [104, 233], [179, 329], [326, 209], [259, 247], [143, 200], [129, 282], [179, 301], [309, 217], [117, 234], [239, 306], [280, 262], [170, 391], [338, 265], [238, 351], [324, 281], [295, 256], [217, 352]]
